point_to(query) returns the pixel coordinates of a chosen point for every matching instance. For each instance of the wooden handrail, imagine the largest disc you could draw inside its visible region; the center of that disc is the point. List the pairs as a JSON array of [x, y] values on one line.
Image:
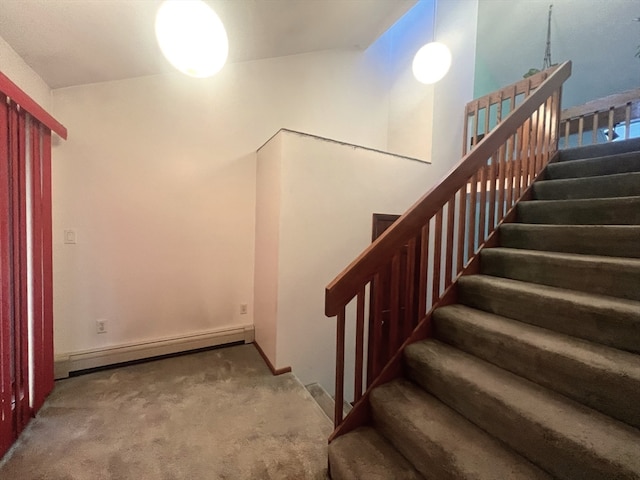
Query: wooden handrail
[[347, 284]]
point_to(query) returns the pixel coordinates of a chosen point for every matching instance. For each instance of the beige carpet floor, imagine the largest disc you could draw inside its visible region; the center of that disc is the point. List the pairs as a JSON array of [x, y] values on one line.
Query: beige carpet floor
[[218, 414]]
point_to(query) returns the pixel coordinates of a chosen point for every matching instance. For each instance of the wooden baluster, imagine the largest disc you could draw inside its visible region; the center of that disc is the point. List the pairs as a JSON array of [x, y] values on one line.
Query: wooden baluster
[[451, 213], [567, 130], [375, 350], [493, 174], [555, 124], [424, 264], [529, 144], [540, 143], [482, 225], [462, 226], [476, 109], [394, 307], [471, 235], [410, 290], [339, 396], [524, 155], [548, 108], [517, 166], [501, 185], [487, 111], [359, 344], [437, 258], [580, 129], [611, 113], [594, 133], [465, 131], [509, 172], [627, 121], [533, 147]]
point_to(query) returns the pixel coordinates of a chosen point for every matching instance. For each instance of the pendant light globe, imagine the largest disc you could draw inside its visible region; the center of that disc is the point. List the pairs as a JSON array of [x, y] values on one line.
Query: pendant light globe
[[192, 37]]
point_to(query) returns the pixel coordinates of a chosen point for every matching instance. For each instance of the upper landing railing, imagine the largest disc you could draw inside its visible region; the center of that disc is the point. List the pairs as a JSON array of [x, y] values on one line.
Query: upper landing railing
[[603, 120]]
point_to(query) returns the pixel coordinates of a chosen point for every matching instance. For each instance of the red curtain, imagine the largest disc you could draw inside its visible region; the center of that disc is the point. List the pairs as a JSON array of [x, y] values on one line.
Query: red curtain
[[26, 303]]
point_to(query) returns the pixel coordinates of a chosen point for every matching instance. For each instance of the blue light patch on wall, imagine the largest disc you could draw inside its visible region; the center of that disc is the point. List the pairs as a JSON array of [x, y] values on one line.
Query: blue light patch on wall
[[395, 48]]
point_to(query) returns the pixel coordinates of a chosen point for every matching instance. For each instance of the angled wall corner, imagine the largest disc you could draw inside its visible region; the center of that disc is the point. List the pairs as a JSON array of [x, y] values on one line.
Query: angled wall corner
[[266, 271]]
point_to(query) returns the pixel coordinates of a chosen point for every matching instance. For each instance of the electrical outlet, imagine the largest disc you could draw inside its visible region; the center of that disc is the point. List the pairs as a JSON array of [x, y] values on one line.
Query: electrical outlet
[[70, 237], [101, 326], [243, 309]]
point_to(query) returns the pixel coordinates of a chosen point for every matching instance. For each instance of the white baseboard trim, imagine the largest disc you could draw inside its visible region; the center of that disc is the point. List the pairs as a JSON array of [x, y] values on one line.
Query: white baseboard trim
[[101, 357]]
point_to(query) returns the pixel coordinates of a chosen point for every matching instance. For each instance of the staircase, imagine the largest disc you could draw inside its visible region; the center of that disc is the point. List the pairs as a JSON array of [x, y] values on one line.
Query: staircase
[[535, 373]]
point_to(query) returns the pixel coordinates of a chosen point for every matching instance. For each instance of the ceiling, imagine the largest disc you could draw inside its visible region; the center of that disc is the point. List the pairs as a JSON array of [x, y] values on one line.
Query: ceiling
[[74, 42]]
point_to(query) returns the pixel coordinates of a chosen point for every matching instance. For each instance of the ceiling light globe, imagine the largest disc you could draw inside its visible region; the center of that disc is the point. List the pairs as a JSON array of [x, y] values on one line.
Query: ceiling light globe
[[432, 62], [192, 37]]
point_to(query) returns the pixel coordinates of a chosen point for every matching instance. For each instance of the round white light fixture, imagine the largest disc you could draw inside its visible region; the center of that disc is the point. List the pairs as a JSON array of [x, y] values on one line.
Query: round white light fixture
[[192, 37], [432, 62]]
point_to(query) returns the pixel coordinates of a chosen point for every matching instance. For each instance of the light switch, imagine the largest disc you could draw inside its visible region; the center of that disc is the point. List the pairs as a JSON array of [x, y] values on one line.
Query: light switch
[[70, 236]]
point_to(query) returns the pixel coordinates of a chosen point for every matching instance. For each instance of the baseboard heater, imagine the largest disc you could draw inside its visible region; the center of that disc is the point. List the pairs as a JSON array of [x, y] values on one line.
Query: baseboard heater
[[64, 364]]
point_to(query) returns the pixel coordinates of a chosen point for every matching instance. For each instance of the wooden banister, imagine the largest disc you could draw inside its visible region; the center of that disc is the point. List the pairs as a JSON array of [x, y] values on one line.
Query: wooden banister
[[412, 268], [346, 285]]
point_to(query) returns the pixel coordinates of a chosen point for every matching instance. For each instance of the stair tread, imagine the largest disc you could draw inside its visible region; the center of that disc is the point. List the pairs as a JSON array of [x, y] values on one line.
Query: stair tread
[[614, 276], [576, 257], [584, 211], [593, 440], [601, 377], [582, 239], [430, 428], [602, 186], [589, 300], [598, 356], [364, 453], [608, 320], [627, 162], [600, 150]]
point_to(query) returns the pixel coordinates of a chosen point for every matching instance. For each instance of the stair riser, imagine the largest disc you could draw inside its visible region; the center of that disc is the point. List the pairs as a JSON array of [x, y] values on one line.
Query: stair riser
[[610, 392], [625, 211], [594, 167], [611, 186], [618, 329], [608, 241], [562, 456], [617, 280]]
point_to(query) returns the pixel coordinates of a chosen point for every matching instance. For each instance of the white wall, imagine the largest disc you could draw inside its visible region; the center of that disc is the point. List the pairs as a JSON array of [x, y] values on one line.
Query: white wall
[[410, 102], [425, 121], [456, 28], [329, 193], [14, 67], [268, 198], [159, 179]]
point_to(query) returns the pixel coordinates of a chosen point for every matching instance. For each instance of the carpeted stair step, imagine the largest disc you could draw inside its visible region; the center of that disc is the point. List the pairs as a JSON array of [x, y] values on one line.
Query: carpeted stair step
[[600, 150], [605, 186], [591, 167], [364, 454], [606, 320], [617, 277], [603, 378], [440, 443], [592, 211], [566, 439], [609, 240]]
